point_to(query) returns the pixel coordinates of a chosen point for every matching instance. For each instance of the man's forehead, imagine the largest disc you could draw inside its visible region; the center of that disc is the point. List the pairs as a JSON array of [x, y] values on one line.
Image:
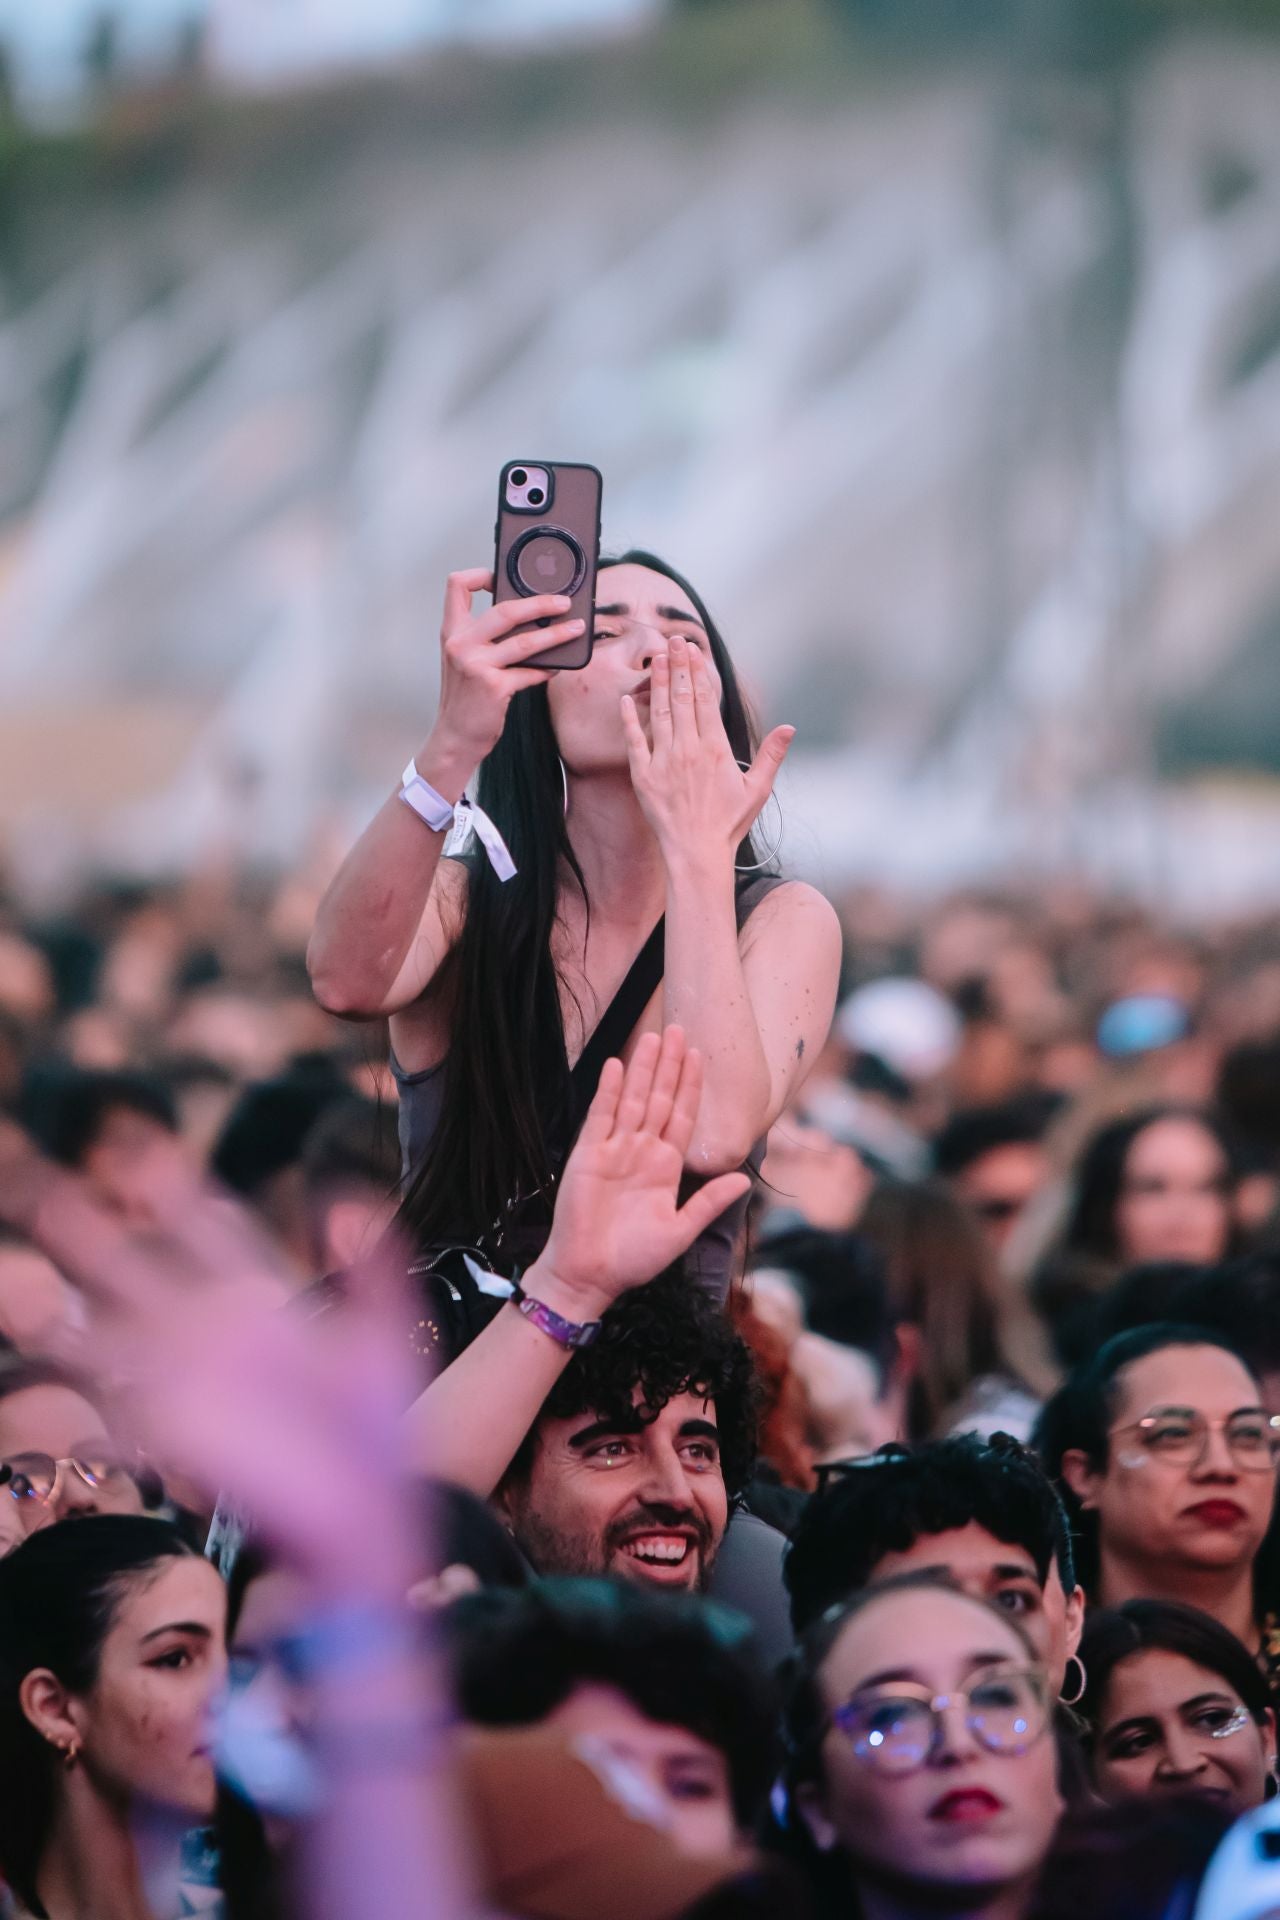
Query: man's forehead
[[680, 1409]]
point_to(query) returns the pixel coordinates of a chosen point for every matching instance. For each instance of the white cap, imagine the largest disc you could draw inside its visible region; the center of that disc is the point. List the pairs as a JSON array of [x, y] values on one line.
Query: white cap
[[906, 1023]]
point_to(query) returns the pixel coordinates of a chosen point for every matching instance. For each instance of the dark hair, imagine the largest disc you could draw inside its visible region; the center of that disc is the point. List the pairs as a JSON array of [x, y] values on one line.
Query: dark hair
[[885, 1503], [266, 1128], [666, 1339], [60, 1591], [1078, 1416], [517, 1656], [943, 1279], [1144, 1860], [1155, 1292], [1113, 1634], [66, 1108], [1241, 1304], [506, 1084], [841, 1280], [353, 1142], [1099, 1176], [974, 1132]]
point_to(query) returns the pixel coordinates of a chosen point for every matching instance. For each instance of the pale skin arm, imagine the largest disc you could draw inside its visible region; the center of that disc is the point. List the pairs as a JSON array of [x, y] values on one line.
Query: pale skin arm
[[295, 1421], [757, 1006], [616, 1226], [392, 912]]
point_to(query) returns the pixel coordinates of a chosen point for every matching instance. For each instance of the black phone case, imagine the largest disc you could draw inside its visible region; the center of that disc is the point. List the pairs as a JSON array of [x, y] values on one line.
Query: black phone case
[[574, 509]]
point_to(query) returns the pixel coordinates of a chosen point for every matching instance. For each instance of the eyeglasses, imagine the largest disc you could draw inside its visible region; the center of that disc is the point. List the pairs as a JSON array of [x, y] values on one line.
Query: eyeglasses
[[1180, 1435], [894, 1729], [890, 1455], [35, 1476]]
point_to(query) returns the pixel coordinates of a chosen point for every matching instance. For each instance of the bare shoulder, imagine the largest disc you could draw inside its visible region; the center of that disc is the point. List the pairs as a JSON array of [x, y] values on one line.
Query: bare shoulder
[[793, 911]]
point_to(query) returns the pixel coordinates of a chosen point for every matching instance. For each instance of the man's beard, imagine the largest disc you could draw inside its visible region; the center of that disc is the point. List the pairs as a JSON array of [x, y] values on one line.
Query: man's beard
[[552, 1550]]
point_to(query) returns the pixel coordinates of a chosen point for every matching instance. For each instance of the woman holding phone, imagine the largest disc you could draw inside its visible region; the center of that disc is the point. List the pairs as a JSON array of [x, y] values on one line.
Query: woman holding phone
[[627, 793]]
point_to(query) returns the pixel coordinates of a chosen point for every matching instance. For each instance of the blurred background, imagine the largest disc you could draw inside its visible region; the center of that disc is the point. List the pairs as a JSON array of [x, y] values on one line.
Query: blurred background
[[937, 340]]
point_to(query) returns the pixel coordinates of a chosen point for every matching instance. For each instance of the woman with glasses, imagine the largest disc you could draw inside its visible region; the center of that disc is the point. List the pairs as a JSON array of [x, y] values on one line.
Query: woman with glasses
[[920, 1777], [57, 1458], [1166, 1458], [1176, 1705]]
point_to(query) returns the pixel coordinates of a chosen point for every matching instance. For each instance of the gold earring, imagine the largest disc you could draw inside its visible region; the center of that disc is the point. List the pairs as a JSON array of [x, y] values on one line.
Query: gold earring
[[70, 1753]]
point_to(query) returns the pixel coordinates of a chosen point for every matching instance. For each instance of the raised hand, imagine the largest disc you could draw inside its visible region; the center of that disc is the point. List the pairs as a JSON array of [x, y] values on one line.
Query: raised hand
[[690, 788], [296, 1419], [482, 665], [617, 1223]]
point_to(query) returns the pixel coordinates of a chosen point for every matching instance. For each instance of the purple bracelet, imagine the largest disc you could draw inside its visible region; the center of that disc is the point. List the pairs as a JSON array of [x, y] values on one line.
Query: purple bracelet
[[565, 1333]]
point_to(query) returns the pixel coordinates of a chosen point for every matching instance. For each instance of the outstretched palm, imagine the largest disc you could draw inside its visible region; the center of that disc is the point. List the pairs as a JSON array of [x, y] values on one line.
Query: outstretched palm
[[616, 1220]]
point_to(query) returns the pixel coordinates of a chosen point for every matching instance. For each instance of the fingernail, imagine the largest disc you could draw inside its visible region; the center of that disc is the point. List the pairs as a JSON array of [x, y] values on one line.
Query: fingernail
[[563, 600]]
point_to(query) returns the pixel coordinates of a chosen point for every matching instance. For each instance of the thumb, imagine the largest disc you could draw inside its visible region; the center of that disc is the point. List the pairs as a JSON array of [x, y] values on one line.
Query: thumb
[[766, 765], [709, 1202]]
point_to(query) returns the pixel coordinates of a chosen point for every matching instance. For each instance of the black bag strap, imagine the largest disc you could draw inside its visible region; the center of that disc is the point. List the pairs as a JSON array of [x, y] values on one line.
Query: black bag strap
[[617, 1023]]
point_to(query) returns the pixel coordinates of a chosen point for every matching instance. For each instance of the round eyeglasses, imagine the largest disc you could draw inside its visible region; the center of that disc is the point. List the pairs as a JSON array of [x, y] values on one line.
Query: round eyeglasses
[[31, 1477], [1180, 1435], [895, 1728]]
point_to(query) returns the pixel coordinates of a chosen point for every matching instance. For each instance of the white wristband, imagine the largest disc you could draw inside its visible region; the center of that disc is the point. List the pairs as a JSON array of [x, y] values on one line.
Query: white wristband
[[439, 816]]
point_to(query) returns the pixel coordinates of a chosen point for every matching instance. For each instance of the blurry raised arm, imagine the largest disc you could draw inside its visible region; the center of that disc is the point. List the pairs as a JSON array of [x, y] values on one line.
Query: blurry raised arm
[[616, 1226], [296, 1421], [393, 911]]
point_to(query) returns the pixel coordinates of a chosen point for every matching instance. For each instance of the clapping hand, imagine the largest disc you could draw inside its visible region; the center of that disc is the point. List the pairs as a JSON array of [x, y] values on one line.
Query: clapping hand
[[297, 1420]]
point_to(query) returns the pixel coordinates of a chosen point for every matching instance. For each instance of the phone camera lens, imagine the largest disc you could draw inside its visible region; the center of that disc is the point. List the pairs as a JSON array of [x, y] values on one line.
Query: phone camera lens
[[518, 477], [536, 496]]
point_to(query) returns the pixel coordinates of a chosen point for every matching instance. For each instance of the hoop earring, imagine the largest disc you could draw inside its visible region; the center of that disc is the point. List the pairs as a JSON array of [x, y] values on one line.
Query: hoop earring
[[1074, 1699], [69, 1754], [564, 782], [771, 853]]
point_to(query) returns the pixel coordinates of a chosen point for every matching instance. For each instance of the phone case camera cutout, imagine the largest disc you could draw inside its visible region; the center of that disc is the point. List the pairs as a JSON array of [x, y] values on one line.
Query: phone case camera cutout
[[548, 541]]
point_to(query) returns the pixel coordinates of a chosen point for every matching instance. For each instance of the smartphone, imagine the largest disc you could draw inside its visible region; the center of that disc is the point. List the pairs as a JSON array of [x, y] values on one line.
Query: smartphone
[[548, 541]]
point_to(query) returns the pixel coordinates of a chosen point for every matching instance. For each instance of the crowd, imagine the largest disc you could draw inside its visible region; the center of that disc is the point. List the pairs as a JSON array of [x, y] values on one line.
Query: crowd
[[591, 1382]]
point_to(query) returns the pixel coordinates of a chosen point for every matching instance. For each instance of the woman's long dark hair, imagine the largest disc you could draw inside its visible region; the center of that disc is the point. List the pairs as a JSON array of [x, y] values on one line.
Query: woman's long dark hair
[[60, 1592], [1099, 1178], [505, 1077]]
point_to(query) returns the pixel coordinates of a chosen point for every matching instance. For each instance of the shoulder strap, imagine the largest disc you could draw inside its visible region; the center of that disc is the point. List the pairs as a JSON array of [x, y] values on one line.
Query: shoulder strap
[[617, 1022]]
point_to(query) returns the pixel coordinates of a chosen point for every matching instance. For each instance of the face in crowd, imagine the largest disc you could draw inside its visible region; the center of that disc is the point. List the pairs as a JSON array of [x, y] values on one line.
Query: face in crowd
[[1188, 1481], [646, 1502], [639, 613], [61, 1462], [1005, 1576], [144, 1730], [935, 1772], [1175, 1195], [1001, 1183], [687, 1777], [1168, 1725]]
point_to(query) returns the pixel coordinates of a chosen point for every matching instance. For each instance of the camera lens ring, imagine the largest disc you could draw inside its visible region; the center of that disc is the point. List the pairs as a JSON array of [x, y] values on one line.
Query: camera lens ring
[[545, 532], [518, 477]]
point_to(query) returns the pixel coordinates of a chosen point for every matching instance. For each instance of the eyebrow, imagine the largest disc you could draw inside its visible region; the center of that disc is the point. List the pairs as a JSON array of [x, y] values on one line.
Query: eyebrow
[[1008, 1570], [699, 1430], [618, 609], [197, 1627], [1215, 1696], [891, 1674], [603, 1429]]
